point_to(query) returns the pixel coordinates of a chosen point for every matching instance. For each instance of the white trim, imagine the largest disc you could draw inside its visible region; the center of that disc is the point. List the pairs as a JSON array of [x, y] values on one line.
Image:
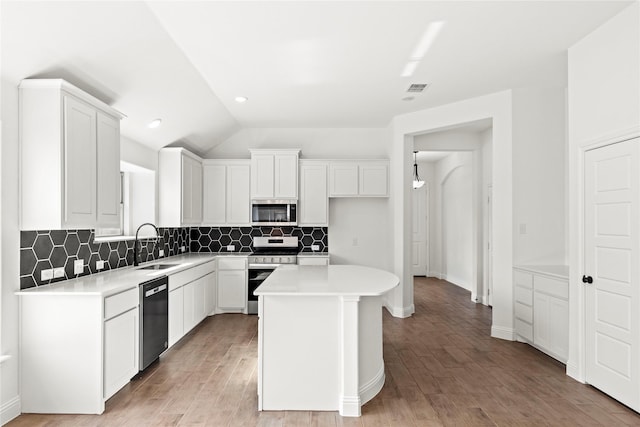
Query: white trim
[[401, 312], [369, 390], [10, 410], [349, 406], [4, 358], [503, 333], [574, 372]]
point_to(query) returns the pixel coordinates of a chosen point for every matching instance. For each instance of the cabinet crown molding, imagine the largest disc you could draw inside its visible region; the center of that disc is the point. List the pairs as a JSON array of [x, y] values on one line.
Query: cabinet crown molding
[[67, 87]]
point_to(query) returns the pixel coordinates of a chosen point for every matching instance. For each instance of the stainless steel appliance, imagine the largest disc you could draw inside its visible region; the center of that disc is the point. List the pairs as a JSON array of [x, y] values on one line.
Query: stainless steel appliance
[[268, 254], [274, 212], [154, 320]]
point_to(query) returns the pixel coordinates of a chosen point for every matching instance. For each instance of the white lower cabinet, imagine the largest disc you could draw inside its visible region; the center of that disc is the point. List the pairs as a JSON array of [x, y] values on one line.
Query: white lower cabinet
[[120, 351], [541, 311], [190, 299], [232, 285], [176, 315]]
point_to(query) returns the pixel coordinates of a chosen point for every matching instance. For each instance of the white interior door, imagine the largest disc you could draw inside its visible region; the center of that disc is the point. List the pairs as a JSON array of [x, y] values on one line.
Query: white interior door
[[419, 252], [612, 259]]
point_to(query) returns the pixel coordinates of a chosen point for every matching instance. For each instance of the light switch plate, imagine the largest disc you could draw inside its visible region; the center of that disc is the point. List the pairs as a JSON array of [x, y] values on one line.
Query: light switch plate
[[99, 265], [58, 272], [182, 249], [78, 266], [46, 274], [161, 252]]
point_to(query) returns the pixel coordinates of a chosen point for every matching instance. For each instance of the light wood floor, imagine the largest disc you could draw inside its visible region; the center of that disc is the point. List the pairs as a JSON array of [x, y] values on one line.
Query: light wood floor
[[442, 369]]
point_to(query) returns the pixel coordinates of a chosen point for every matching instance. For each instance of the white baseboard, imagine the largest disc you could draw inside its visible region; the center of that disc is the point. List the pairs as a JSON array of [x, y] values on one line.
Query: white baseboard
[[401, 312], [574, 372], [349, 406], [369, 390], [503, 333], [9, 410]]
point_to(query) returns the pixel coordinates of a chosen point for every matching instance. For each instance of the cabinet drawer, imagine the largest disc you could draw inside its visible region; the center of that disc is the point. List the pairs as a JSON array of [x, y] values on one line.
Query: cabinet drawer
[[524, 312], [119, 303], [313, 260], [551, 286], [524, 329], [183, 277], [520, 278], [232, 263], [523, 295]]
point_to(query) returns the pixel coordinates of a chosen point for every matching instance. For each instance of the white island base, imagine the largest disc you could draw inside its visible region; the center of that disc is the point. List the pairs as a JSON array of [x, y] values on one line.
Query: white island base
[[320, 338]]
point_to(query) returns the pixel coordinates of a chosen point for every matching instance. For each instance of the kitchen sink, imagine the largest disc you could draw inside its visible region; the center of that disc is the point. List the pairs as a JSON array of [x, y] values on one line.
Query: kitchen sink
[[157, 267]]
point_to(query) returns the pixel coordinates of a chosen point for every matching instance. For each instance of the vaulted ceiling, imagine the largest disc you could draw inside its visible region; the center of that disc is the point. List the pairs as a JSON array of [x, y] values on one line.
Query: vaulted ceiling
[[300, 64]]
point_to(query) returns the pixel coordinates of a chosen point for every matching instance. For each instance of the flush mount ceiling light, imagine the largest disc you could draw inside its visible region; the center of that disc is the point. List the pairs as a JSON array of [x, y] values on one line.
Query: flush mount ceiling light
[[417, 182], [241, 99], [154, 123], [408, 98]]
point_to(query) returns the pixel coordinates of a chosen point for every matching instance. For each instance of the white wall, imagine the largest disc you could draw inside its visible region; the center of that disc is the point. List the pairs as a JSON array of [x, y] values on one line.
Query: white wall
[[603, 107], [454, 197], [315, 143], [10, 251], [358, 232], [539, 165], [366, 220]]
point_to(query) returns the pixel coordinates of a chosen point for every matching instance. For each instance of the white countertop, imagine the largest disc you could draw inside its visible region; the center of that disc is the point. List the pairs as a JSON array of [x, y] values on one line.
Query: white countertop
[[121, 279], [330, 280], [556, 270], [313, 254]]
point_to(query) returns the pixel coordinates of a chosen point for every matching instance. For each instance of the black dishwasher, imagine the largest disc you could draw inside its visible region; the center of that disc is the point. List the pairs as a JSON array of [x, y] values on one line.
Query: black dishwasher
[[154, 319]]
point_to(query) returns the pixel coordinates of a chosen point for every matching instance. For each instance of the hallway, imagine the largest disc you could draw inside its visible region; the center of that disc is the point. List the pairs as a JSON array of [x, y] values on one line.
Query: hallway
[[442, 369]]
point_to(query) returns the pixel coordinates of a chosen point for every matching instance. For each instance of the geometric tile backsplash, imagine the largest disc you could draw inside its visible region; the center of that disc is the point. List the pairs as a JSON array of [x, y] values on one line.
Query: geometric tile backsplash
[[45, 249], [216, 239]]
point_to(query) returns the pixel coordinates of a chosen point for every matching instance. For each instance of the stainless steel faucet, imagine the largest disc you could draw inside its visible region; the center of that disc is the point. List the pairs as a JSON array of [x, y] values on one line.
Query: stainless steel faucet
[[135, 243]]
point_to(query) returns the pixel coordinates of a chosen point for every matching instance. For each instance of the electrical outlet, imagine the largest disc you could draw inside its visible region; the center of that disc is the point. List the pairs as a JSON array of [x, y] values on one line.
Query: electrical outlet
[[58, 272], [523, 229], [99, 265], [78, 266], [355, 241], [182, 249], [46, 274], [231, 248], [315, 247], [161, 252]]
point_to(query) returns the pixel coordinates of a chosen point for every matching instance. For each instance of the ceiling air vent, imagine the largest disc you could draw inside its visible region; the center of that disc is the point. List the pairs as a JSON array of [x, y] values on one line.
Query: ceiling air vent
[[417, 87]]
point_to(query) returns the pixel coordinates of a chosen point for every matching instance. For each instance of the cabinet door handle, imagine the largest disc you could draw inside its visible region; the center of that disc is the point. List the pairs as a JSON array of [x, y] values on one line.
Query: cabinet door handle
[[587, 279]]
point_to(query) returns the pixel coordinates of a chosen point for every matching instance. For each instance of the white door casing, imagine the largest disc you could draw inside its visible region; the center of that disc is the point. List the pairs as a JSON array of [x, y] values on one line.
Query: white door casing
[[612, 259], [419, 221]]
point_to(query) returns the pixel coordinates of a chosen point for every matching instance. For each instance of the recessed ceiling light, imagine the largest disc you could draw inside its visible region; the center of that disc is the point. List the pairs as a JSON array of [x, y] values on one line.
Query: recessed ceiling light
[[241, 99], [408, 98], [154, 123]]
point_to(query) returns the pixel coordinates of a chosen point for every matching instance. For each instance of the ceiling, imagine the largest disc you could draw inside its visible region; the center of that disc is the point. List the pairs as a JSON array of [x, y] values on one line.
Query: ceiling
[[301, 64]]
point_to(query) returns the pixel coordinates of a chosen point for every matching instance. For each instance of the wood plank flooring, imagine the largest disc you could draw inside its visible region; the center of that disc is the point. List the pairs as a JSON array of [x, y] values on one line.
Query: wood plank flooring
[[442, 369]]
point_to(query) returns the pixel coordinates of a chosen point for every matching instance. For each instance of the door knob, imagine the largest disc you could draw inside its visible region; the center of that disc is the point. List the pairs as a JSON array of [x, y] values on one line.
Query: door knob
[[587, 279]]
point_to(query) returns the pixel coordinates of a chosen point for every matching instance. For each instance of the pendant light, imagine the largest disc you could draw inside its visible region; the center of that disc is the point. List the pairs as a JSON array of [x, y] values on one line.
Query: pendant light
[[417, 182]]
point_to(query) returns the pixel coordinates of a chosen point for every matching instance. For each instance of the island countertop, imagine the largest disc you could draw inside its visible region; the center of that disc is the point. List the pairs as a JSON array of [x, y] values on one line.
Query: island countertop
[[329, 280]]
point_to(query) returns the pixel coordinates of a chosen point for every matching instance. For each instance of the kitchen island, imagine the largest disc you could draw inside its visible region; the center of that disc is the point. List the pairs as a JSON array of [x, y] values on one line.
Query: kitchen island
[[320, 337]]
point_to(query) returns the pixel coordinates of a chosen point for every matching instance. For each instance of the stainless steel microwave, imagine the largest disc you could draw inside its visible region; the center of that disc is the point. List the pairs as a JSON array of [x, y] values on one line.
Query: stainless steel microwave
[[274, 212]]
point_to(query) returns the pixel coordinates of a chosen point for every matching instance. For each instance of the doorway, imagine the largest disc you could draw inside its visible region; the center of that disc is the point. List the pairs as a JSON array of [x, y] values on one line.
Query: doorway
[[420, 220]]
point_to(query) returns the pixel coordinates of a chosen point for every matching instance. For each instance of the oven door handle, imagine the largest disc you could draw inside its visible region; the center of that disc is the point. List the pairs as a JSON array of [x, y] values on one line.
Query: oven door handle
[[263, 266]]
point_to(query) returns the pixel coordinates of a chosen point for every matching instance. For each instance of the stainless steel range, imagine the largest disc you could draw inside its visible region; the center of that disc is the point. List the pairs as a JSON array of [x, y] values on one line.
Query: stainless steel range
[[268, 254]]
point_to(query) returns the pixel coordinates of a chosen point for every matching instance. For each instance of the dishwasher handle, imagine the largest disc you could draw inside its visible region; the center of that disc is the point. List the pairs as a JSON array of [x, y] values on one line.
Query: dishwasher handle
[[152, 292]]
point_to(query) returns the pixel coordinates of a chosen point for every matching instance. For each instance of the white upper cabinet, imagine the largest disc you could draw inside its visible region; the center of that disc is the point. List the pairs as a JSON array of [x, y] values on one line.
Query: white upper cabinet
[[180, 181], [359, 178], [69, 158], [226, 188], [313, 205], [274, 174], [108, 146]]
